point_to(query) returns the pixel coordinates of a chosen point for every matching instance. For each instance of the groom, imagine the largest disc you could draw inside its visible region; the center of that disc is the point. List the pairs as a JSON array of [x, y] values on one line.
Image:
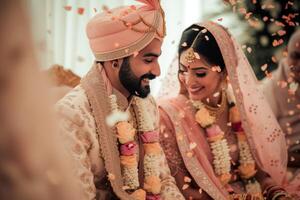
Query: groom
[[109, 122]]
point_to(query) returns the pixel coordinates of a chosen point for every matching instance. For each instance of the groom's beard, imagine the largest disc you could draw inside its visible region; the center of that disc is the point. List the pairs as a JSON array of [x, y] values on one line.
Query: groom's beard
[[131, 82]]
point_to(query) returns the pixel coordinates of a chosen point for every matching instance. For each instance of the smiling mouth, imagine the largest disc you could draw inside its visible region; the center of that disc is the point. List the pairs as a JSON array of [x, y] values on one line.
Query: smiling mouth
[[195, 90]]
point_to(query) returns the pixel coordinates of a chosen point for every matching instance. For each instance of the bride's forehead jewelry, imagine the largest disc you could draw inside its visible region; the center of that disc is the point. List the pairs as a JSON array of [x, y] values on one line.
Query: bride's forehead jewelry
[[190, 56]]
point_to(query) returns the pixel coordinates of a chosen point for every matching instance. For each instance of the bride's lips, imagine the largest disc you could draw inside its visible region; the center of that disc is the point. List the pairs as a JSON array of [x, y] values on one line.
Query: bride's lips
[[195, 90]]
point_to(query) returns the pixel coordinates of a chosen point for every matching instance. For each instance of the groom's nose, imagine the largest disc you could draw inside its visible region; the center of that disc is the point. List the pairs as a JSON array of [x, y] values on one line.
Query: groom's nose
[[155, 70]]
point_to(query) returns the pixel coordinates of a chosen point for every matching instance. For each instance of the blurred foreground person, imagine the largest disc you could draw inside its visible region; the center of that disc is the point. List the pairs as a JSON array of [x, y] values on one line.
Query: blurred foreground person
[[283, 94], [32, 162]]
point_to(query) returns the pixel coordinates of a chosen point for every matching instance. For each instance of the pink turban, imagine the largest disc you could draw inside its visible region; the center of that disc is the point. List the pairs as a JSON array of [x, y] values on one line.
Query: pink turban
[[122, 31]]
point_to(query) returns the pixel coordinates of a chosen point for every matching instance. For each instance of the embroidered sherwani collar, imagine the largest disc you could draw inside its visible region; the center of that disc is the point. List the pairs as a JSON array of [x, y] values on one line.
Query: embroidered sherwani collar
[[97, 95]]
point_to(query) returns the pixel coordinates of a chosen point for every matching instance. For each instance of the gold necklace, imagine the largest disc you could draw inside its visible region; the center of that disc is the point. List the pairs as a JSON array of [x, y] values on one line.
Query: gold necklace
[[217, 111]]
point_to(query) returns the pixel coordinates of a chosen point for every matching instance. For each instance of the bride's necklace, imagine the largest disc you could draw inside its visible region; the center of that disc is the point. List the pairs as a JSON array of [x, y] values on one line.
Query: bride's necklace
[[217, 111]]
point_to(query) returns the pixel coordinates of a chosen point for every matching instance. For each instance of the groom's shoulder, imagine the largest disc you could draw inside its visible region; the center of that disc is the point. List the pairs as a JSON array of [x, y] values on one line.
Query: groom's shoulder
[[75, 101]]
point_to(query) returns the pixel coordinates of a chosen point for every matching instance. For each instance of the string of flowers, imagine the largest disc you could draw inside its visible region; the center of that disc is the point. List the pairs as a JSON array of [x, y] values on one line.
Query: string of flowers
[[220, 148], [128, 148]]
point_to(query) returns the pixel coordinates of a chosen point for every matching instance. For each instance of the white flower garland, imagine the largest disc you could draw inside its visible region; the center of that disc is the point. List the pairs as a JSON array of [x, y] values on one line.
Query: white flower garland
[[220, 149], [128, 149]]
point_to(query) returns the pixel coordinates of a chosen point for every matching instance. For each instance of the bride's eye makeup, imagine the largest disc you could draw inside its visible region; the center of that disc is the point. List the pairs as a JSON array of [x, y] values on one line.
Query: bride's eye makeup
[[200, 72], [201, 75]]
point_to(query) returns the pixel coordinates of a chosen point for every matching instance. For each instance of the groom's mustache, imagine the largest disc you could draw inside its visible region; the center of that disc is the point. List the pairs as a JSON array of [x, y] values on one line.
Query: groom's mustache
[[149, 76]]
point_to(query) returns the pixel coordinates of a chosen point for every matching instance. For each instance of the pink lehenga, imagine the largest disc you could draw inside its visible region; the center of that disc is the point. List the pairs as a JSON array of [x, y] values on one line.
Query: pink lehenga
[[264, 136]]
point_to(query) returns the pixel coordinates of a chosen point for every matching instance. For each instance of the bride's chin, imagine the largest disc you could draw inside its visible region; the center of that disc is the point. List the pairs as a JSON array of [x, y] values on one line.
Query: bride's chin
[[195, 97]]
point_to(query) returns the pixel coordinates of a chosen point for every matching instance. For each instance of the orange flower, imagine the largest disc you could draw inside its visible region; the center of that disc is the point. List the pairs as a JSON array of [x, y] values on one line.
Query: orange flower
[[126, 132], [225, 178], [204, 118], [216, 138], [247, 170], [152, 184], [139, 194], [234, 115], [241, 136], [128, 160], [152, 148]]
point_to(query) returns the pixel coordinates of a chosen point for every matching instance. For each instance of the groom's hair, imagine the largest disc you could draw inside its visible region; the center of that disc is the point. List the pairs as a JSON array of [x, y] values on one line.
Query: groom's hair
[[205, 45]]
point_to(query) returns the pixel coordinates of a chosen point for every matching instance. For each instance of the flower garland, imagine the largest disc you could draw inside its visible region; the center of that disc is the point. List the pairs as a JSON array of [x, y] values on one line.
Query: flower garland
[[128, 149], [220, 148]]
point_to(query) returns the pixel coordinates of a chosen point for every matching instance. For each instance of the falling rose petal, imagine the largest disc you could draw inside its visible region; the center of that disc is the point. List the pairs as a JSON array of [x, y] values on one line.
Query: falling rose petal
[[133, 7], [184, 44], [279, 24], [229, 124], [204, 30], [283, 84], [117, 44], [187, 179], [220, 19], [265, 18], [264, 67], [247, 16], [289, 130], [166, 135], [216, 94], [80, 11], [185, 186], [207, 100], [200, 191], [291, 112], [68, 8], [276, 43], [197, 55], [274, 59], [193, 145], [268, 75], [253, 23], [189, 154], [242, 10], [111, 176], [249, 49], [298, 106], [292, 159], [179, 136], [281, 32]]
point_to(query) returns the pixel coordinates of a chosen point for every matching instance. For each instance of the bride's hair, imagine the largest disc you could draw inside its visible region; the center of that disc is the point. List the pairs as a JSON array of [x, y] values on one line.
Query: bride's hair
[[204, 43]]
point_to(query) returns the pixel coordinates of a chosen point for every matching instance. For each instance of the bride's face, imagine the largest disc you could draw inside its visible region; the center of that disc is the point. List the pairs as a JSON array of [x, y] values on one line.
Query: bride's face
[[199, 78]]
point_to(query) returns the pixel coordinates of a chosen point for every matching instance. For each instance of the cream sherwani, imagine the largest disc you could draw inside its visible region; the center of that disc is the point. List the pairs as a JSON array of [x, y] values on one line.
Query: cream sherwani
[[94, 146]]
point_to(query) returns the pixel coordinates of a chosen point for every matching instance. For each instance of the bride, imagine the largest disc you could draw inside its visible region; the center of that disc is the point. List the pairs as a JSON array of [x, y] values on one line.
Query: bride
[[218, 133]]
